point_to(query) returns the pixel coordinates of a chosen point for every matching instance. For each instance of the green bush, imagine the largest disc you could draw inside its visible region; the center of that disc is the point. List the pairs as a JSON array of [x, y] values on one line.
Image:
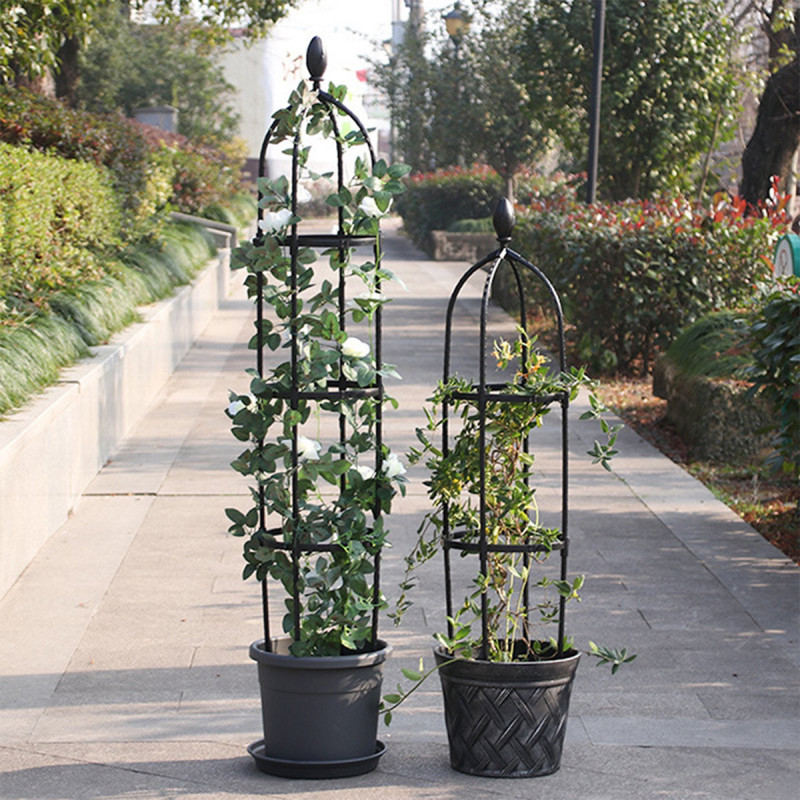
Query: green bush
[[775, 344], [201, 175], [483, 225], [35, 345], [40, 123], [150, 169], [56, 219], [633, 274], [83, 240], [433, 201]]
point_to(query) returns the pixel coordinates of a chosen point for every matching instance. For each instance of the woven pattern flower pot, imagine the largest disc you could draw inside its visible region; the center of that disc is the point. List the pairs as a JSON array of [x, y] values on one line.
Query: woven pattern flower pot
[[506, 720]]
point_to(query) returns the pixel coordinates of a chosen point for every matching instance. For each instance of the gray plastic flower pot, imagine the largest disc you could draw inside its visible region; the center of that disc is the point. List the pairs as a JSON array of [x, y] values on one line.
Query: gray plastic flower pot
[[506, 720], [320, 714]]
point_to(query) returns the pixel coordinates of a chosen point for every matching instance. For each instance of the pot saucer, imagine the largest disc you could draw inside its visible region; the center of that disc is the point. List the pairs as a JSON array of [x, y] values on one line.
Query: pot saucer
[[286, 768]]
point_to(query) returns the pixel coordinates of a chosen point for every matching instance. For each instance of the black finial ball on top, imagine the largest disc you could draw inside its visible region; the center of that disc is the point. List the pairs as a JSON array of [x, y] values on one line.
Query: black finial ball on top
[[503, 220], [316, 59]]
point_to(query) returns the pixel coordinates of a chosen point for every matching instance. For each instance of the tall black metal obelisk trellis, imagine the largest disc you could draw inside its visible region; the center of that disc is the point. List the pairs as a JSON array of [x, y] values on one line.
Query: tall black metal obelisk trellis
[[483, 394], [336, 390]]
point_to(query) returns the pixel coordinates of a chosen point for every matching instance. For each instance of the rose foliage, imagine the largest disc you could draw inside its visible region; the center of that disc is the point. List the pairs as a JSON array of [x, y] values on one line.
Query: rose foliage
[[315, 485]]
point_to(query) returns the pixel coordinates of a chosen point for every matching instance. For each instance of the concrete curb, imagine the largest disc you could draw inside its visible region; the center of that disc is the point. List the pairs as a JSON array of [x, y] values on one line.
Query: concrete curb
[[52, 448]]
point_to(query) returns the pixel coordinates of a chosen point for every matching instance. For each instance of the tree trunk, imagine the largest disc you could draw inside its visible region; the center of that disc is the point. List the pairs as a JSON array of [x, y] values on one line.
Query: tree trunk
[[776, 137], [66, 75]]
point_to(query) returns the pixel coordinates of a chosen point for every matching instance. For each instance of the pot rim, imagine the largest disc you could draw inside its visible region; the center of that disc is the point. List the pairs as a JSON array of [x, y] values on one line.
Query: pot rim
[[288, 661], [568, 656]]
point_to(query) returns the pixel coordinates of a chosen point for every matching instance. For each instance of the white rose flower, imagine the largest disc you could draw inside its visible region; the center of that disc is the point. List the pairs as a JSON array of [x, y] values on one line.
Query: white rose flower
[[308, 449], [365, 472], [370, 207], [353, 347], [237, 405], [275, 221], [303, 195], [393, 467]]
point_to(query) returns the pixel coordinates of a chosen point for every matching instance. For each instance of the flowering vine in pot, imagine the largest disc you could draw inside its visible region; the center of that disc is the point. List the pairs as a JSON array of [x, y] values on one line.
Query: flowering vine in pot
[[496, 658], [322, 478]]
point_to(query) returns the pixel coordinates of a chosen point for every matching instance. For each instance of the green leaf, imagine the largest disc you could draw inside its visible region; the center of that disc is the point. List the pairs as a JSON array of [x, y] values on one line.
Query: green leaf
[[399, 170], [235, 516]]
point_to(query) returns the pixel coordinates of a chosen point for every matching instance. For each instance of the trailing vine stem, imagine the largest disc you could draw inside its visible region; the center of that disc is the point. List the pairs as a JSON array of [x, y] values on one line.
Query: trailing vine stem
[[511, 511]]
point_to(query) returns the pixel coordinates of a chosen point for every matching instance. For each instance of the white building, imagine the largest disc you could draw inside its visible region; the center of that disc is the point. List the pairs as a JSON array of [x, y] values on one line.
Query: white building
[[265, 72]]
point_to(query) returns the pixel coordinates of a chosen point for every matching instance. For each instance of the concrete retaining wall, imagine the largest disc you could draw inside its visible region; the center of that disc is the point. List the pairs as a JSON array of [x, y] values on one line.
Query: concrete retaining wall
[[450, 246], [52, 448]]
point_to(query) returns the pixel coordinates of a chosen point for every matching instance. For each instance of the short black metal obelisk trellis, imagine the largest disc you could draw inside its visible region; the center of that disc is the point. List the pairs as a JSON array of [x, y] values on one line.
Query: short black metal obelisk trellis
[[481, 395], [335, 390]]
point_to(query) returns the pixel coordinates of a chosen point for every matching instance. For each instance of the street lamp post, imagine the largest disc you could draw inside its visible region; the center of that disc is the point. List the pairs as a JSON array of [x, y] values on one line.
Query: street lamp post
[[457, 23], [594, 113]]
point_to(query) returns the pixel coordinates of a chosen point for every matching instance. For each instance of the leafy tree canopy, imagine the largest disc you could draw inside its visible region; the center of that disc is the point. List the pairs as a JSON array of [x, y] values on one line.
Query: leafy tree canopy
[[219, 15], [520, 79], [455, 101], [32, 31], [670, 86], [128, 66]]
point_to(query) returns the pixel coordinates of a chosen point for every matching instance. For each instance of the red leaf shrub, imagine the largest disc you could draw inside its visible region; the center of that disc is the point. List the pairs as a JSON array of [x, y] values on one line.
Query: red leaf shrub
[[632, 274]]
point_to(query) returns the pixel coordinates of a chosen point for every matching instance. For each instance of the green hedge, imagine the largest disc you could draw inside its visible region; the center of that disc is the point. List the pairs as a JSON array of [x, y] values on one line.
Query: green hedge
[[40, 123], [83, 236], [200, 175], [56, 219], [433, 201], [633, 274], [150, 169], [458, 199], [33, 348]]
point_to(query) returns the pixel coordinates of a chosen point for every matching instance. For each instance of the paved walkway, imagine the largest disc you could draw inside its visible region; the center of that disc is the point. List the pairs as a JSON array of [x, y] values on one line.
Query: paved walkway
[[123, 648]]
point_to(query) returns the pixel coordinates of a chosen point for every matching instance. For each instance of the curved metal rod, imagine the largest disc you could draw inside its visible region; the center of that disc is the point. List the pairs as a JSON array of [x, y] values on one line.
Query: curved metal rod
[[564, 440], [481, 395], [513, 256], [344, 387], [494, 256], [329, 98], [262, 162]]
